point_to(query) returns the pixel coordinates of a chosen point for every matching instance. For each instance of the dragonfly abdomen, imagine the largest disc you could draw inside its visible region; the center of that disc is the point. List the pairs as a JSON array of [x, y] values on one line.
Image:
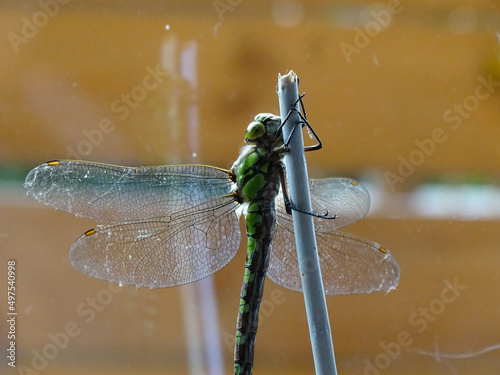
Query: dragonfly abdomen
[[257, 173], [260, 221]]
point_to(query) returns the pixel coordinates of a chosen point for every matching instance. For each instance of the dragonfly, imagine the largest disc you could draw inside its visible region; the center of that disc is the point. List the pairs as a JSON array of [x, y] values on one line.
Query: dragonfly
[[163, 226]]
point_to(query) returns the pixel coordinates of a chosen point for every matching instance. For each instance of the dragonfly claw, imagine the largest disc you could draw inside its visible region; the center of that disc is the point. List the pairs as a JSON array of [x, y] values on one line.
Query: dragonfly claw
[[291, 206]]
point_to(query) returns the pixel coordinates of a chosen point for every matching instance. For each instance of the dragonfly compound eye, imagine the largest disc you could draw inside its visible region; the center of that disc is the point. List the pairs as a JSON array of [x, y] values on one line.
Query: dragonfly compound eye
[[254, 131]]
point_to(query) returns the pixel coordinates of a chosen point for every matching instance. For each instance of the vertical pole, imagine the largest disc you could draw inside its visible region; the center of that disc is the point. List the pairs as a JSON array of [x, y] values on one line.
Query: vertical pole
[[312, 284]]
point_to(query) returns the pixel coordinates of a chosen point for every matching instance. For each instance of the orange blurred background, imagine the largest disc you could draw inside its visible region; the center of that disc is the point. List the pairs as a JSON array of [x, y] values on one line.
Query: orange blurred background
[[404, 95]]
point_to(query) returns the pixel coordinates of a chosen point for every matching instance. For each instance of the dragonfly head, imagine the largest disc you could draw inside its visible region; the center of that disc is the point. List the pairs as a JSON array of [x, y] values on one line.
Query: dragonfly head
[[265, 128]]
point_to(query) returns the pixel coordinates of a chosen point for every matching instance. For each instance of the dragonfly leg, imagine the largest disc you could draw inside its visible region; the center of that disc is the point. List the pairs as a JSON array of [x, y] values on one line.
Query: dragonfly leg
[[304, 122], [289, 205], [311, 212], [310, 128]]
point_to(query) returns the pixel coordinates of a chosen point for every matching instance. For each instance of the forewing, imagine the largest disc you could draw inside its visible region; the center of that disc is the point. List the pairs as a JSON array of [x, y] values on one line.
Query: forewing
[[349, 264], [155, 253], [343, 197], [112, 194]]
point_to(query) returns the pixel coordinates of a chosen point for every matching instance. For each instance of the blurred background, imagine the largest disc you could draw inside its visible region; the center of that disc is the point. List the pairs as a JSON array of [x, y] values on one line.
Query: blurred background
[[405, 96]]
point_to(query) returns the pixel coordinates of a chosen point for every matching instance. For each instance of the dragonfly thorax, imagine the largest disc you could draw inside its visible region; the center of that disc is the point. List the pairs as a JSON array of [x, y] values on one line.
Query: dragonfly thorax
[[259, 164]]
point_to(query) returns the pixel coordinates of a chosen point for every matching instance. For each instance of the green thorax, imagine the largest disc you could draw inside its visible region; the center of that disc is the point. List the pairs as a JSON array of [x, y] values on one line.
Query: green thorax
[[258, 167]]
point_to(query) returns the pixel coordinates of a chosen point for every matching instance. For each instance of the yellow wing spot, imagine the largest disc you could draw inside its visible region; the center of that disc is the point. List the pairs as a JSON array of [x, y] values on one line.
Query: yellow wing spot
[[354, 183], [89, 232], [383, 250], [53, 162]]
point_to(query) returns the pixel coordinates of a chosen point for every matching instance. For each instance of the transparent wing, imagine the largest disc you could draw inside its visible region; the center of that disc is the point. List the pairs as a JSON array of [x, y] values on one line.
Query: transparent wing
[[343, 197], [349, 264], [155, 253], [112, 194]]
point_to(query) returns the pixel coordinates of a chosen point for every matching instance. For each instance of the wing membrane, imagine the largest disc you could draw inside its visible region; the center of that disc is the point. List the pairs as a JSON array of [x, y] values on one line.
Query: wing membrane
[[343, 197], [349, 264], [184, 247], [113, 194]]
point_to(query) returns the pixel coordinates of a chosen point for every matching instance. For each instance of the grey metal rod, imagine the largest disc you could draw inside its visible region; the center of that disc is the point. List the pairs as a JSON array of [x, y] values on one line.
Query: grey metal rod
[[312, 284]]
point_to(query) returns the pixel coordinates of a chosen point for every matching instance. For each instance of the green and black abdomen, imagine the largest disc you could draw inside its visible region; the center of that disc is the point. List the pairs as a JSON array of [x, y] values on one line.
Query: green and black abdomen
[[260, 227], [258, 184]]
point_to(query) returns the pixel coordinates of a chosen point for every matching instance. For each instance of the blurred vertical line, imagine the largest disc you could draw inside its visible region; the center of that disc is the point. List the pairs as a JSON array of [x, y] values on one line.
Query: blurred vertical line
[[192, 327], [169, 57], [170, 64], [189, 72], [199, 299]]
